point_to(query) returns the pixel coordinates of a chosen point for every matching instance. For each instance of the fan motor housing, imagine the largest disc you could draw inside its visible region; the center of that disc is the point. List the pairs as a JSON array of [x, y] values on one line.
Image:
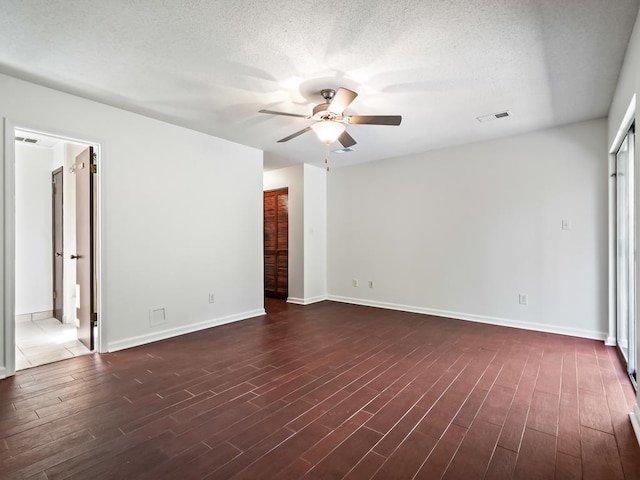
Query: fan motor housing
[[321, 112]]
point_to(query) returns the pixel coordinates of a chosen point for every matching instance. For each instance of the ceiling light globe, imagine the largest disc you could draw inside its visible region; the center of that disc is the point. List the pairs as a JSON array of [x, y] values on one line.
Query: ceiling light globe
[[328, 131]]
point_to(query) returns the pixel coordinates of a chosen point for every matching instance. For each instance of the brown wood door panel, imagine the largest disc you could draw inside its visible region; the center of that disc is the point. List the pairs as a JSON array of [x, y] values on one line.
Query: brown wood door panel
[[270, 274], [282, 279], [84, 246], [270, 229], [276, 243], [283, 221], [58, 254]]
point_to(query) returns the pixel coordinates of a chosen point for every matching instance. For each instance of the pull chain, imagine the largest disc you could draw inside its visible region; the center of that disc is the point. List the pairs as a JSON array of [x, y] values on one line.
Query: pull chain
[[326, 157]]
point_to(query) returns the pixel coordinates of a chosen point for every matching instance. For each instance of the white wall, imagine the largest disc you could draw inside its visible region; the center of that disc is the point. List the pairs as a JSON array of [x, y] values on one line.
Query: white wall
[[461, 232], [34, 269], [293, 179], [315, 234], [181, 215], [628, 86]]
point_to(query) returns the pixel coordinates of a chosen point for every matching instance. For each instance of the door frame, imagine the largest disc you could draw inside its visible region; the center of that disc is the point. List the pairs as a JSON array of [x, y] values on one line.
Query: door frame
[[8, 207], [625, 126], [272, 190], [626, 317], [54, 225]]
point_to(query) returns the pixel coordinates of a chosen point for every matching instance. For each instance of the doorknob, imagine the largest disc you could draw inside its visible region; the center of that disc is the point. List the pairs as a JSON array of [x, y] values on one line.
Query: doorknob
[[73, 257]]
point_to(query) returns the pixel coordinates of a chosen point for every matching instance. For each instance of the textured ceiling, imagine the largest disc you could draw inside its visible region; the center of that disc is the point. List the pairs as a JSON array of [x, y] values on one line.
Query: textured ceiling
[[211, 65]]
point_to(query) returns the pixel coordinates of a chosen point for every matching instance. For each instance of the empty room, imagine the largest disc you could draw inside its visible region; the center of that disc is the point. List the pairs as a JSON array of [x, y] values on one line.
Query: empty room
[[292, 239]]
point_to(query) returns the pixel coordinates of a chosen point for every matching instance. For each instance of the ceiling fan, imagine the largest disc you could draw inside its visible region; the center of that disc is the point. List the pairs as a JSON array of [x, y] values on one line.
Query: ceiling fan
[[330, 121]]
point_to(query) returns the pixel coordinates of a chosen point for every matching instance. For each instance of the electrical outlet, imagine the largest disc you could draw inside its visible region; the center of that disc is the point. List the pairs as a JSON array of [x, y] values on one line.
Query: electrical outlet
[[370, 283], [523, 299], [354, 282], [566, 224], [212, 298]]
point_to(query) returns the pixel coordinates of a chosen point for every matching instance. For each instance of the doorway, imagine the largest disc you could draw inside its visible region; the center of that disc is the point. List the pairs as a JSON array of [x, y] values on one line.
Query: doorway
[[49, 324], [625, 264], [276, 243]]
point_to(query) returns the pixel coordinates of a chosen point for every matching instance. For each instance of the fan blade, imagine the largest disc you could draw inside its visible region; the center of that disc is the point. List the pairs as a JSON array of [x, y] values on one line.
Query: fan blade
[[294, 135], [346, 140], [341, 100], [273, 112], [375, 119]]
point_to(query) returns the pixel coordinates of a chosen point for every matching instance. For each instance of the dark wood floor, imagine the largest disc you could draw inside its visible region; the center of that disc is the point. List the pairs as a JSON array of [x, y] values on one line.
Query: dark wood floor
[[327, 391]]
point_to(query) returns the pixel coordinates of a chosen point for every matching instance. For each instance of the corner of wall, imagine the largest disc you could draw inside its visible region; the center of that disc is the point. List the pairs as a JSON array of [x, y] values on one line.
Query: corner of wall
[[7, 242], [4, 340]]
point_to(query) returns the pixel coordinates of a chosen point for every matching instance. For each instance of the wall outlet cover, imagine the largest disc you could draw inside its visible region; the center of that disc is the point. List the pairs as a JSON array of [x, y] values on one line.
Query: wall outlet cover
[[157, 316]]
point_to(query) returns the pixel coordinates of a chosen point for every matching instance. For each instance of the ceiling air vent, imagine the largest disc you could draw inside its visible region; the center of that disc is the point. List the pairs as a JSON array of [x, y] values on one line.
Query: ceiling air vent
[[343, 150], [494, 116], [26, 140]]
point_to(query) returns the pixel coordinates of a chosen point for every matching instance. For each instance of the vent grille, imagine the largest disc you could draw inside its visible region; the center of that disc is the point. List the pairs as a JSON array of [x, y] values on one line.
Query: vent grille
[[26, 140], [494, 116], [344, 150]]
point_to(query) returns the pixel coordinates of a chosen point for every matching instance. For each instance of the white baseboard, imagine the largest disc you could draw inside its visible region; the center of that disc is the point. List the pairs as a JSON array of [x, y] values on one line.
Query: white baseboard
[[504, 322], [635, 421], [610, 342], [174, 332], [3, 373], [306, 301]]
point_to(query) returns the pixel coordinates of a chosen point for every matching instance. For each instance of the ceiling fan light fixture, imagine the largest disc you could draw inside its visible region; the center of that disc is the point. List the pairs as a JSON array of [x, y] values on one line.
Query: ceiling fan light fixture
[[328, 131], [330, 120]]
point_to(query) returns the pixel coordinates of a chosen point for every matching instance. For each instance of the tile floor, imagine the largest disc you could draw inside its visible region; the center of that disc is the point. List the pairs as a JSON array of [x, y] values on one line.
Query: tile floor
[[45, 341]]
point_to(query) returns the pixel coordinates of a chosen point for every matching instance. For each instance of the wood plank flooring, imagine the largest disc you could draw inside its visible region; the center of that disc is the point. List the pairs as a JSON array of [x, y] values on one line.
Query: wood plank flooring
[[327, 391]]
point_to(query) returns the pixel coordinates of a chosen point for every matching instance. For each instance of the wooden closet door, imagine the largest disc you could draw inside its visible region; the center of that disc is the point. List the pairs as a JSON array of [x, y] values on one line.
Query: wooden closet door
[[276, 243]]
